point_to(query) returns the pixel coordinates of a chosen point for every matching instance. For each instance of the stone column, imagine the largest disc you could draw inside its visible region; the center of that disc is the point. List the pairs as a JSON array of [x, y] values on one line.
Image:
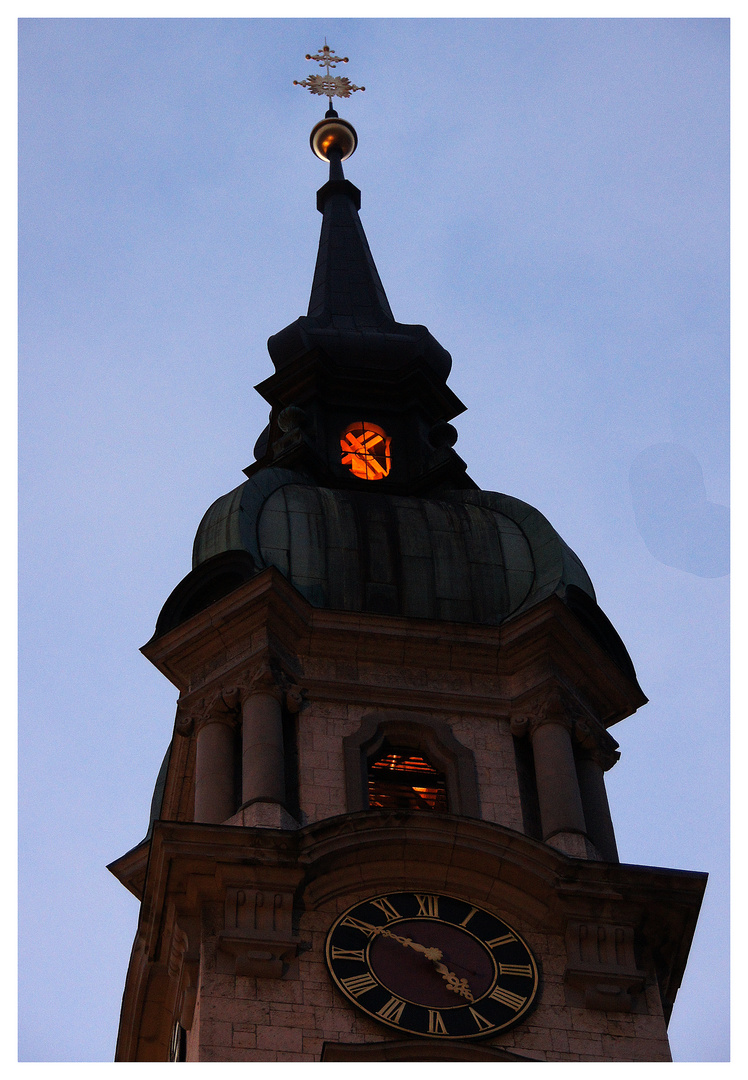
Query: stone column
[[556, 778], [263, 769], [597, 753], [214, 768], [561, 814]]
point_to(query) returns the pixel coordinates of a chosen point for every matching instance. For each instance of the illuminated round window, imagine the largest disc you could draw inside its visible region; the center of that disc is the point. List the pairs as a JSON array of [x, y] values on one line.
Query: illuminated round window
[[366, 450]]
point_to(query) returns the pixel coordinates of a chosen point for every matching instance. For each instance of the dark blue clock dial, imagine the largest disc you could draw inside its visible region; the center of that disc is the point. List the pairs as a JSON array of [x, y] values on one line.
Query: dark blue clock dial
[[432, 965]]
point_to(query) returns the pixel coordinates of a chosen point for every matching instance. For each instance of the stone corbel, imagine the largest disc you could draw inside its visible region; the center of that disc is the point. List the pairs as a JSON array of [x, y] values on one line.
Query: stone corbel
[[596, 741], [258, 939], [601, 972], [295, 698]]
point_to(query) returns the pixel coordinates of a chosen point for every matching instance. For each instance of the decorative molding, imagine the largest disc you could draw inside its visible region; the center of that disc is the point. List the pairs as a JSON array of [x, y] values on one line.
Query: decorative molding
[[556, 705], [258, 938], [266, 677], [295, 698], [260, 678], [602, 972], [417, 1050], [502, 660], [551, 705], [223, 703]]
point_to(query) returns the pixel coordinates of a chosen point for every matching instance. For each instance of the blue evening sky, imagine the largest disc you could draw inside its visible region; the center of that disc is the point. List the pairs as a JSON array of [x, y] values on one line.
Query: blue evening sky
[[550, 197]]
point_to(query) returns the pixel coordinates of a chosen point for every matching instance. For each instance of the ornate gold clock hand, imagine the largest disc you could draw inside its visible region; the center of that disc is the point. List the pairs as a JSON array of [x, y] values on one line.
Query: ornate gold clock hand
[[429, 952], [454, 983]]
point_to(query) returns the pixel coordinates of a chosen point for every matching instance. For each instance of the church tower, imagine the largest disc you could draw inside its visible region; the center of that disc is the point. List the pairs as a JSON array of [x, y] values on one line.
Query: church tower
[[381, 831]]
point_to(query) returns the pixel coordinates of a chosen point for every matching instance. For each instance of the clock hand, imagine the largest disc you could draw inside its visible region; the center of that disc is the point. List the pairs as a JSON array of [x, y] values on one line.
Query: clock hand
[[457, 963], [454, 983], [429, 952]]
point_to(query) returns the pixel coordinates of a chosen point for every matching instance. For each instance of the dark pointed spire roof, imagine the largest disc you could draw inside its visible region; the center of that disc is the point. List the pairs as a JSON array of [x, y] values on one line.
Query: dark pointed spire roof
[[349, 316], [347, 292]]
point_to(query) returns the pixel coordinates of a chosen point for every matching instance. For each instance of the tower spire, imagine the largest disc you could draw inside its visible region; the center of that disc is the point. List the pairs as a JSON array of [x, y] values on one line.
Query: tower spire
[[347, 292], [349, 316]]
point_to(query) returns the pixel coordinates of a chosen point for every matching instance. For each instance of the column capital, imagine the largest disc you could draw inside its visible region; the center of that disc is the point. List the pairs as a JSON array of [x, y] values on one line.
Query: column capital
[[549, 706], [270, 679], [220, 707], [264, 678]]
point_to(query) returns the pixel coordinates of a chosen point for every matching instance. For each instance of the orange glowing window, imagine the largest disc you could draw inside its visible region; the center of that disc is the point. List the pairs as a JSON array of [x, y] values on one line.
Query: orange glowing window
[[366, 450], [403, 780]]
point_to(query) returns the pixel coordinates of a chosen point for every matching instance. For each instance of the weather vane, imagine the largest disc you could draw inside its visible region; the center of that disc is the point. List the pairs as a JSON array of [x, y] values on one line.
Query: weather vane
[[329, 85]]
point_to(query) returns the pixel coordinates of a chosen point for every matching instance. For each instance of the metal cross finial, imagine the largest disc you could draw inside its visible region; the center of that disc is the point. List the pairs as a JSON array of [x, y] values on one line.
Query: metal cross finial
[[329, 85]]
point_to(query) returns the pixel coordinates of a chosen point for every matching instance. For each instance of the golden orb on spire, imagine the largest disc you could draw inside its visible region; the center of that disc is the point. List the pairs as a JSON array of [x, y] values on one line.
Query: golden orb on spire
[[332, 133]]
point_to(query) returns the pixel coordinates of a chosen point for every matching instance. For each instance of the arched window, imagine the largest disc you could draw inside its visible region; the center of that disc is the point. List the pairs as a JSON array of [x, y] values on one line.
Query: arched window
[[401, 779], [406, 761]]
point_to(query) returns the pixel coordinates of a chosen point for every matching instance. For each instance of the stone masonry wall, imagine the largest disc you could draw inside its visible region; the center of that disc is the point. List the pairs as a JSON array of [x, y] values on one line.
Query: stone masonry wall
[[242, 1018], [324, 725]]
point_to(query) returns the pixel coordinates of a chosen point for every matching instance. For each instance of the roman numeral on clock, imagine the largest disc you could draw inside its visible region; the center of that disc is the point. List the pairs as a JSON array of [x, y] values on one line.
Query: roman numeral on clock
[[503, 940], [481, 1021], [506, 997], [468, 917], [516, 969], [436, 1024], [393, 1010], [347, 954], [385, 906], [359, 984], [428, 905], [358, 924]]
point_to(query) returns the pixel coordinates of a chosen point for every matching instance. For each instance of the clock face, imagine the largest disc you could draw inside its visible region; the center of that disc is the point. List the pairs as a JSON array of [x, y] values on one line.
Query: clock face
[[432, 965]]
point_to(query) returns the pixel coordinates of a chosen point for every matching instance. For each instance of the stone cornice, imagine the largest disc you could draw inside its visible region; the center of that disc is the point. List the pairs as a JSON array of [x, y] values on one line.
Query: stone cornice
[[264, 615], [130, 868], [384, 848], [267, 624]]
